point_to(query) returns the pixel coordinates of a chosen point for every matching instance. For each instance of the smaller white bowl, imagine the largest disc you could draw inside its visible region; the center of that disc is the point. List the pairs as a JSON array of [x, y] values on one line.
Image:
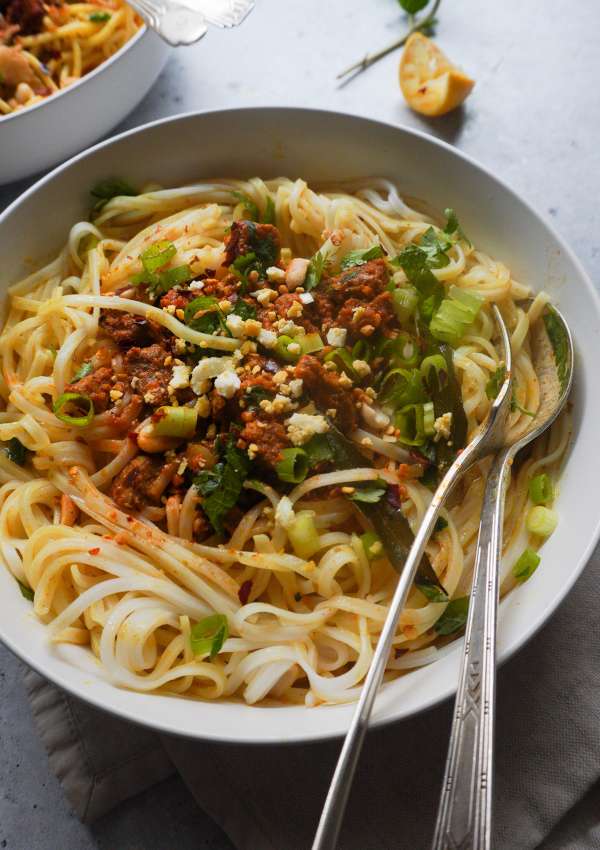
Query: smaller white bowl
[[64, 123]]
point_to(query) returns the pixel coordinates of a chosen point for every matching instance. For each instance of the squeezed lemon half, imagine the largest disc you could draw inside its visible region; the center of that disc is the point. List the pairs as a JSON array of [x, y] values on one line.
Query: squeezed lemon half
[[431, 84]]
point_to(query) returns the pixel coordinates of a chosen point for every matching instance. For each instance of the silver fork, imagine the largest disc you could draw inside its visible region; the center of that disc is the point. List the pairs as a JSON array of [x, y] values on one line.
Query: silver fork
[[180, 24]]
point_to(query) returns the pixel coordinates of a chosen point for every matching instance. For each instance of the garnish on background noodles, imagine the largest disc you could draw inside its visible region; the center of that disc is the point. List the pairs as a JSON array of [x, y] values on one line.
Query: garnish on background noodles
[[221, 486], [105, 190], [425, 25], [16, 451], [208, 636]]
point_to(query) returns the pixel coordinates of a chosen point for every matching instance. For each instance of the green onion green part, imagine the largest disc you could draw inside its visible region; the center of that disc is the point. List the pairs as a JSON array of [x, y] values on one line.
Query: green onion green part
[[78, 401], [208, 636]]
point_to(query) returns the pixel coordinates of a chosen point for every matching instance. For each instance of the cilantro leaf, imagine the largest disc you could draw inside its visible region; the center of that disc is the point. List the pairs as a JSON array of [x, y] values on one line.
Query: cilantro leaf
[[431, 591], [84, 370], [315, 270], [221, 486], [454, 617], [559, 343], [244, 310], [372, 491], [435, 245], [269, 214], [318, 450], [26, 591], [492, 388], [263, 245], [453, 227], [112, 187], [203, 314], [254, 395], [249, 205], [16, 451], [415, 263], [100, 17], [413, 6], [362, 256]]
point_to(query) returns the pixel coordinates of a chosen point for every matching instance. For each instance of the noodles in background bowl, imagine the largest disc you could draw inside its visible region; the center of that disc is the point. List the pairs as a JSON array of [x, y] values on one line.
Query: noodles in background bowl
[[175, 382], [46, 47]]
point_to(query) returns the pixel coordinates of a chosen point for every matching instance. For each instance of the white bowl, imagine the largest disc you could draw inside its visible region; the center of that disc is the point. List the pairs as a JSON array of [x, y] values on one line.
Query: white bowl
[[323, 146], [60, 125]]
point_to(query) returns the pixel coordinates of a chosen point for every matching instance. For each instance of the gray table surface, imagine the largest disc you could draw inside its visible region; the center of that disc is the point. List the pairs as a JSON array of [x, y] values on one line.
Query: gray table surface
[[533, 118]]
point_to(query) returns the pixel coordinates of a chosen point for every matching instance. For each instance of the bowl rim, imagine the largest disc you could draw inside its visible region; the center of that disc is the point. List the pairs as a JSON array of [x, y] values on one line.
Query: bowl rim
[[99, 69], [517, 643]]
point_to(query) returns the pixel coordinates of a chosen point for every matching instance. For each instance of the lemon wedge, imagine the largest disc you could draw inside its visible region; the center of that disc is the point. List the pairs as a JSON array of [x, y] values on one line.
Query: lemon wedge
[[431, 84]]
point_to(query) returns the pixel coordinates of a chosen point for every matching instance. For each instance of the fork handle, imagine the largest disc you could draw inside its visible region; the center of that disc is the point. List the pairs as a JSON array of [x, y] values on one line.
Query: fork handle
[[465, 810]]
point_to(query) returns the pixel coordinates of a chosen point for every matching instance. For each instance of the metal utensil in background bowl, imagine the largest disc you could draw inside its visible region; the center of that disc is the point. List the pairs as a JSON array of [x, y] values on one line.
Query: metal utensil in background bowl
[[59, 126], [323, 147]]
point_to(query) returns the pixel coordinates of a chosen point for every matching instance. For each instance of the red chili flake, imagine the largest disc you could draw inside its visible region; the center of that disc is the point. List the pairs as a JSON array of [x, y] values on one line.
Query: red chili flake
[[244, 591], [94, 551]]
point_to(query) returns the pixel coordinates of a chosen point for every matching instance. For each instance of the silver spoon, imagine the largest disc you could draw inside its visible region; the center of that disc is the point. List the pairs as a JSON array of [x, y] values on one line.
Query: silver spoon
[[465, 811], [489, 440]]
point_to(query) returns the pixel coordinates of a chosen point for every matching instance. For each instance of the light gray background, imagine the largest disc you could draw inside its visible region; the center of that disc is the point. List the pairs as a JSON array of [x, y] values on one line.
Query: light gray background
[[533, 117]]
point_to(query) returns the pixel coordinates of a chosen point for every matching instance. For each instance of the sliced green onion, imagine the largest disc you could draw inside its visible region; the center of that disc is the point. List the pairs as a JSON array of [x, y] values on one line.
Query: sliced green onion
[[401, 387], [541, 521], [454, 315], [175, 422], [281, 349], [208, 636], [435, 363], [157, 255], [415, 423], [294, 466], [269, 213], [247, 205], [431, 591], [541, 491], [362, 350], [303, 535], [402, 350], [404, 302], [74, 400], [526, 564], [310, 342], [372, 545], [342, 360]]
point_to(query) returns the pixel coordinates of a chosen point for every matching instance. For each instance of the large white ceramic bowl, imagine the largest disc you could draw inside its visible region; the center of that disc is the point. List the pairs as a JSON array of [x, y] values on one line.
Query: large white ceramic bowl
[[323, 146], [53, 130]]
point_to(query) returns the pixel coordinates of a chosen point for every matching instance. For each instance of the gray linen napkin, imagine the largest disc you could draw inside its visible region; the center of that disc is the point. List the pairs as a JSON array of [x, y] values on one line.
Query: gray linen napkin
[[548, 758]]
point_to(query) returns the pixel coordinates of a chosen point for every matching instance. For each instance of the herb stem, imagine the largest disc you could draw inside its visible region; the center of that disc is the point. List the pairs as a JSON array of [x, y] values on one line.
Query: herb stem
[[372, 58]]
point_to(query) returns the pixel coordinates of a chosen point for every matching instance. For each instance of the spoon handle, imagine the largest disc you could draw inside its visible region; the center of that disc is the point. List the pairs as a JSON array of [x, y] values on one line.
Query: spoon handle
[[465, 810]]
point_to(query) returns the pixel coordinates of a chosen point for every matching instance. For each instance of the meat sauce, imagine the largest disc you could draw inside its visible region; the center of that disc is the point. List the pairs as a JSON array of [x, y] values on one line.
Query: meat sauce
[[133, 370]]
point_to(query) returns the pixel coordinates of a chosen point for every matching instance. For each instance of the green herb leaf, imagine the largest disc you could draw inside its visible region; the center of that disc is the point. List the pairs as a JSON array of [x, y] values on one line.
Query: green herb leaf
[[526, 564], [157, 255], [454, 617], [414, 262], [254, 395], [440, 524], [560, 345], [244, 310], [434, 245], [413, 6], [208, 636], [315, 270], [16, 451], [432, 591], [318, 450], [249, 205], [371, 491], [293, 467], [263, 245], [26, 591], [497, 378], [100, 17], [269, 214], [84, 370], [222, 485], [362, 256], [453, 227], [203, 314], [113, 187]]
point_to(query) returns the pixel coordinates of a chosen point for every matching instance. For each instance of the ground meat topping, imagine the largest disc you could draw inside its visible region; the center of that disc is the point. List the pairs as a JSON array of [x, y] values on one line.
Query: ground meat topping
[[362, 282], [96, 386], [267, 438], [325, 390], [148, 374], [246, 237], [125, 328], [142, 482], [362, 320], [27, 14]]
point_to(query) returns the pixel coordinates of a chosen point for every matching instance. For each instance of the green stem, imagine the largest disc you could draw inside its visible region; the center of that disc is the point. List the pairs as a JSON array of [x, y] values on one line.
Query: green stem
[[372, 58]]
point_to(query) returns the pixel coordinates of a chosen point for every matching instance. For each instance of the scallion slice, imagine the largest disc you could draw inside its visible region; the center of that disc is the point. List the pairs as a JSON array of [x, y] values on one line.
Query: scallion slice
[[294, 466], [454, 315], [281, 349], [310, 342], [74, 400], [525, 565], [405, 301], [541, 491], [208, 636], [175, 422], [303, 535], [372, 545], [541, 521]]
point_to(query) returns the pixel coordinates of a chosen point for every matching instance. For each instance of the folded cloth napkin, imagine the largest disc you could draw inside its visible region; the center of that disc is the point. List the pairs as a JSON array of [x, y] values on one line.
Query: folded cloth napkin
[[269, 798]]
